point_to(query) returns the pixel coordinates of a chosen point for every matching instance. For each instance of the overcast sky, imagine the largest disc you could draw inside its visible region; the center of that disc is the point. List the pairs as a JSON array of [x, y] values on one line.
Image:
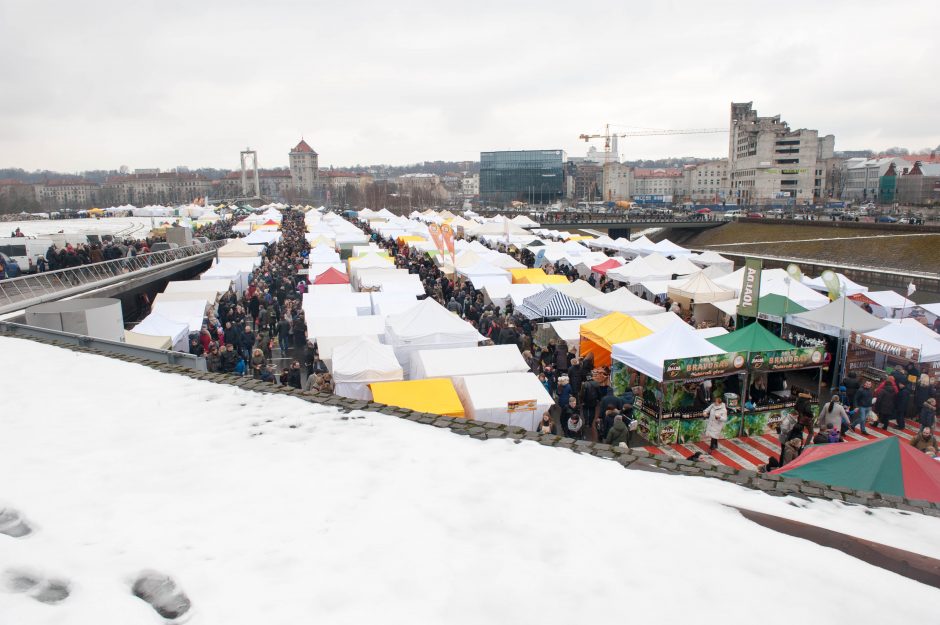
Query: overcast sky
[[99, 84]]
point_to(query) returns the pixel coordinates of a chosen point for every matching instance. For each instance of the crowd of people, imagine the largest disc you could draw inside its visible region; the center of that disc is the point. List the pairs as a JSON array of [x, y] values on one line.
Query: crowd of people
[[265, 325]]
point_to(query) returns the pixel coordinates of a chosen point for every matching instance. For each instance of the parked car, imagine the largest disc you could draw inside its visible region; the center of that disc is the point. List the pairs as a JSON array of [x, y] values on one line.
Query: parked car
[[887, 219], [11, 267], [755, 215]]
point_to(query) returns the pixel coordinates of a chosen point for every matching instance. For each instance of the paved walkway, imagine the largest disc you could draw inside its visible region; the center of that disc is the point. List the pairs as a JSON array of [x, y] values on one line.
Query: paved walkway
[[753, 451]]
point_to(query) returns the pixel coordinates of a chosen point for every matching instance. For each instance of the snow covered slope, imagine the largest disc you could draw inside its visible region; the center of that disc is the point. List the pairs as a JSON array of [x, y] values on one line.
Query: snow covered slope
[[268, 509]]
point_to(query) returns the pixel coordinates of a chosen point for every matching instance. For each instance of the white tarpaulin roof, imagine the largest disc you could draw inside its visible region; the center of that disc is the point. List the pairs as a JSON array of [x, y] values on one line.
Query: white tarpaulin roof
[[190, 312], [701, 289], [326, 345], [427, 325], [220, 285], [345, 326], [642, 268], [360, 302], [647, 354], [262, 237], [838, 318], [447, 363], [847, 286], [357, 364], [577, 290], [708, 258], [660, 320], [156, 324], [206, 297], [908, 333], [390, 303], [148, 340], [238, 248], [889, 303], [487, 398], [621, 300]]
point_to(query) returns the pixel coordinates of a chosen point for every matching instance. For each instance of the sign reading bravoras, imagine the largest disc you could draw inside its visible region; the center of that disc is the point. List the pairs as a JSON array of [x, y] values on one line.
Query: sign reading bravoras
[[714, 366], [787, 359]]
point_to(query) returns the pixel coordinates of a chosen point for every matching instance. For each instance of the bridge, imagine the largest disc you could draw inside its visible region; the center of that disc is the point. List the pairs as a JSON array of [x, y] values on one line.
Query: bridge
[[616, 225], [122, 277]]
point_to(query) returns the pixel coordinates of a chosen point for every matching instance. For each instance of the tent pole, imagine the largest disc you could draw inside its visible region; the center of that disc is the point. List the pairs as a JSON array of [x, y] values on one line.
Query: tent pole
[[744, 395]]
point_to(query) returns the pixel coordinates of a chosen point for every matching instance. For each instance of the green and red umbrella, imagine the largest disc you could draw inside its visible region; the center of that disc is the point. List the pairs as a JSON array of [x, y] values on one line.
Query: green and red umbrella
[[886, 465]]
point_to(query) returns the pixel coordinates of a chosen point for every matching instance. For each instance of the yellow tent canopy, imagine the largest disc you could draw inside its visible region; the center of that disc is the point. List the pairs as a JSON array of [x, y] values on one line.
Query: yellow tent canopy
[[599, 336], [96, 211], [434, 395], [410, 238], [580, 237], [529, 275], [543, 279]]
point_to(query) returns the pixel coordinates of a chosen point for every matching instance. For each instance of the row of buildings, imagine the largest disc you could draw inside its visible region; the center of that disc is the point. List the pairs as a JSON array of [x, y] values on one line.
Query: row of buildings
[[768, 164]]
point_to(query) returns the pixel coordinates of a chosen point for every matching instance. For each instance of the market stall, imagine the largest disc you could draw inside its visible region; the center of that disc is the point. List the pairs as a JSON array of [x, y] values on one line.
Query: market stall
[[666, 371], [600, 335]]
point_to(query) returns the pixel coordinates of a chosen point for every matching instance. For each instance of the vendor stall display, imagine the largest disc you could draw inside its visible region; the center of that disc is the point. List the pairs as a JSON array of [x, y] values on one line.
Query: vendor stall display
[[666, 371], [550, 304], [458, 361], [517, 399]]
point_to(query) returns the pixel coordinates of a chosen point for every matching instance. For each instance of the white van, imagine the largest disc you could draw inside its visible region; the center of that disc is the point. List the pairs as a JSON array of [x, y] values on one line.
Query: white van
[[22, 249]]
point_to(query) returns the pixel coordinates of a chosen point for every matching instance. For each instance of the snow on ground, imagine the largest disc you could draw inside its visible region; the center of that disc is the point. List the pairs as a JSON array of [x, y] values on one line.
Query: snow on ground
[[89, 225], [268, 509]]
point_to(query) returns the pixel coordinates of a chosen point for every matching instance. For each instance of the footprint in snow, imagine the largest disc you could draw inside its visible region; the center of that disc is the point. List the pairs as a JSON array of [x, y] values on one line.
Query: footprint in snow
[[163, 594], [41, 588], [13, 524]]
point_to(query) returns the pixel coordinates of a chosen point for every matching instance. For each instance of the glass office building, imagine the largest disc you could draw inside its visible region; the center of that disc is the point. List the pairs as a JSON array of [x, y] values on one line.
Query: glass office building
[[534, 176]]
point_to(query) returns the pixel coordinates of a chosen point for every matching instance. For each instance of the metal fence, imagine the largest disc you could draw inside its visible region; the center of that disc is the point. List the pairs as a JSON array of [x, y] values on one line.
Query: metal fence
[[40, 285], [109, 347]]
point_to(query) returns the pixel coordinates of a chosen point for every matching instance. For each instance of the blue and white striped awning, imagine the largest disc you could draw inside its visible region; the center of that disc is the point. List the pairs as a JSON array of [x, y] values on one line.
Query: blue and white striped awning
[[551, 304]]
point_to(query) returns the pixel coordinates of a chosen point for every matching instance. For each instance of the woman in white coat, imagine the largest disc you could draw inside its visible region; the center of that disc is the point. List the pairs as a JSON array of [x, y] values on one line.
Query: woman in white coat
[[717, 413]]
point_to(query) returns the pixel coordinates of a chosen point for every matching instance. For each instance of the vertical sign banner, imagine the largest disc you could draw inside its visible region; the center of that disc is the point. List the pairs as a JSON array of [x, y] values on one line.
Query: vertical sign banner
[[448, 234], [539, 257], [750, 287], [435, 231]]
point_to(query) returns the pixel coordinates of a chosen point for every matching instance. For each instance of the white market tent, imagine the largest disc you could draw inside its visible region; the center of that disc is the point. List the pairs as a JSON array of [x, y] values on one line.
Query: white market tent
[[647, 355], [500, 294], [838, 318], [709, 258], [488, 397], [427, 325], [569, 331], [262, 237], [890, 305], [315, 269], [358, 363], [156, 324], [459, 361], [189, 286], [621, 300], [700, 289], [551, 304], [660, 321], [668, 248], [653, 267], [908, 333], [932, 310], [361, 303], [238, 248], [524, 222], [318, 327], [146, 340], [190, 312], [206, 297], [482, 269], [326, 345], [682, 266], [579, 290], [391, 303], [847, 287], [326, 290]]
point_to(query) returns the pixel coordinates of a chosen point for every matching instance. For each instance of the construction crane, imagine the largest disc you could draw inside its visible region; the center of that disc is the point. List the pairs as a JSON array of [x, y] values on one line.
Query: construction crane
[[646, 132], [650, 132]]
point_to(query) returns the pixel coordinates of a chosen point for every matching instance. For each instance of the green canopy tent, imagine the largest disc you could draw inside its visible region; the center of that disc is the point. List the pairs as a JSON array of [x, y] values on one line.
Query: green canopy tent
[[751, 338], [774, 307]]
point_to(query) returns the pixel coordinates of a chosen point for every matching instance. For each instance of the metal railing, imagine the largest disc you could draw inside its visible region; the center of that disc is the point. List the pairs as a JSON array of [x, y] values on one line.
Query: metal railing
[[103, 345], [42, 285]]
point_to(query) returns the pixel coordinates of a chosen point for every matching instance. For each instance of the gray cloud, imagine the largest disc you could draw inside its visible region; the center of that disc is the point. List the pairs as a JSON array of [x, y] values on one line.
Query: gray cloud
[[101, 83]]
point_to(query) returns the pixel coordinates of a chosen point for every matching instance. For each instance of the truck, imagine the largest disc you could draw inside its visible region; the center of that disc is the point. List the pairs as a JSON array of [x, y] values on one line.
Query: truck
[[24, 249]]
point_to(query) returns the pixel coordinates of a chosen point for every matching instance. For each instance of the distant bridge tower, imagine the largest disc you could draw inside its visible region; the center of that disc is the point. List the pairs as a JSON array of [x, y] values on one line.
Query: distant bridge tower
[[247, 154]]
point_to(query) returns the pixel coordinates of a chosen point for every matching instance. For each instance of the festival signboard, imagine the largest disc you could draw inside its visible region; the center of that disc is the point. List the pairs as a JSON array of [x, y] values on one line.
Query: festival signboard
[[750, 287], [787, 359], [699, 367], [448, 234], [891, 349]]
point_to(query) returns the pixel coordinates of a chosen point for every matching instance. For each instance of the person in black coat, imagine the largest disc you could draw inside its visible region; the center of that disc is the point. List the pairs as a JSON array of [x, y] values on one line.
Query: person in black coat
[[902, 402], [851, 384], [885, 404]]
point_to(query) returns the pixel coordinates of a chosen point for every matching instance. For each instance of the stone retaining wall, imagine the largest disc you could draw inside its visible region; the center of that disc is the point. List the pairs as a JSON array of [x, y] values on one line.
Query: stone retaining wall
[[628, 457]]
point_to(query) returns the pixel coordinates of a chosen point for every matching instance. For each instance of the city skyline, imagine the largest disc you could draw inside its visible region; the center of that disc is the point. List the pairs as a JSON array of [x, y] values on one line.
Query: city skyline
[[103, 84]]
